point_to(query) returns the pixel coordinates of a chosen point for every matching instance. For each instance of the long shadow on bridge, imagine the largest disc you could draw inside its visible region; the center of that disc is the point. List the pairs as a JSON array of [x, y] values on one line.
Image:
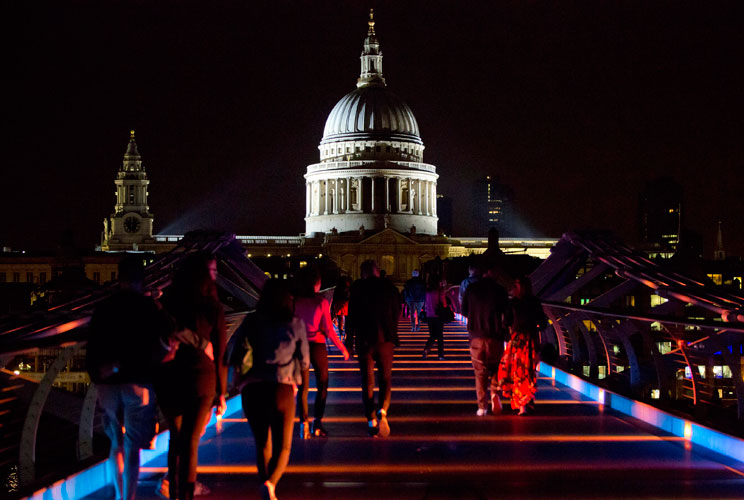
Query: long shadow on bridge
[[439, 449]]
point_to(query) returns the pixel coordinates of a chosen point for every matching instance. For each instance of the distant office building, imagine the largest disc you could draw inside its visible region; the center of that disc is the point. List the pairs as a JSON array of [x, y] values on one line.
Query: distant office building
[[444, 211], [660, 213], [492, 207]]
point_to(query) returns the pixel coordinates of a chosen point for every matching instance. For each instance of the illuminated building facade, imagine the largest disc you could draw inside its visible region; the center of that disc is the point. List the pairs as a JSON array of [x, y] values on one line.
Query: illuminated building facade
[[130, 226], [371, 173], [370, 196], [660, 213], [492, 207]]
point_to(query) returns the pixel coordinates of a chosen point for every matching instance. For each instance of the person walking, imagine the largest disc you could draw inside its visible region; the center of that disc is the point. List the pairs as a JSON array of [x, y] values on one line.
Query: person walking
[[526, 319], [128, 336], [340, 305], [474, 274], [372, 332], [435, 302], [315, 310], [280, 354], [195, 380], [414, 293], [484, 304]]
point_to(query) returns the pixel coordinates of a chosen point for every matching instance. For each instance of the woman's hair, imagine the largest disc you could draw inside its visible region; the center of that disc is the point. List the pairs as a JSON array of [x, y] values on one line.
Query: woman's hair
[[432, 282], [306, 279], [276, 302], [192, 278], [526, 285]]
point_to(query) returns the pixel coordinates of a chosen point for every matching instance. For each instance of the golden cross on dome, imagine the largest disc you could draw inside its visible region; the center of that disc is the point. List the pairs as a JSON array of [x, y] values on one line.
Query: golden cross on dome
[[371, 20], [131, 134]]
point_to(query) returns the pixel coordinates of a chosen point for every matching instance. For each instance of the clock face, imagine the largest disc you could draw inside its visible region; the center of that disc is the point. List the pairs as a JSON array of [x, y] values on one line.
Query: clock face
[[131, 224]]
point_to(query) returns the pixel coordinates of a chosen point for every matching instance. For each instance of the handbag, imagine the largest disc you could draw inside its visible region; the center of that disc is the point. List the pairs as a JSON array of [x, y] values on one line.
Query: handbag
[[445, 313]]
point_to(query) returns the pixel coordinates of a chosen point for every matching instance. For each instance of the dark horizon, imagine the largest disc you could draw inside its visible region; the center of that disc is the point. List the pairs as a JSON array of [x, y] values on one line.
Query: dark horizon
[[575, 106]]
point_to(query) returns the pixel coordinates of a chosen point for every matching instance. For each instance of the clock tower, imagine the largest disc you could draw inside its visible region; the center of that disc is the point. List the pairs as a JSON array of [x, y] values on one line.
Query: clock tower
[[131, 223]]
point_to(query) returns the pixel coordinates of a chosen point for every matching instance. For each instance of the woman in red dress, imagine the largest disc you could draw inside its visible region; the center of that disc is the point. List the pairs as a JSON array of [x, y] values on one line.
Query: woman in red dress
[[525, 319]]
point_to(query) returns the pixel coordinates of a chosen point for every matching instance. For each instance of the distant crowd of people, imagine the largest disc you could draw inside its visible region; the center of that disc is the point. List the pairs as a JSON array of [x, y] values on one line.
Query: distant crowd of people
[[146, 351]]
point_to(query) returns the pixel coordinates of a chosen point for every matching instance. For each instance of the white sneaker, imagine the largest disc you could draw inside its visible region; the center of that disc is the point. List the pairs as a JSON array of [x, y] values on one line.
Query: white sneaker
[[200, 489], [163, 488], [482, 412]]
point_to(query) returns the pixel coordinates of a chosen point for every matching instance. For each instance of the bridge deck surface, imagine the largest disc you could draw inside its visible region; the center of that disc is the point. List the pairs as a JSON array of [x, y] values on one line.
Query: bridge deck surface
[[439, 449]]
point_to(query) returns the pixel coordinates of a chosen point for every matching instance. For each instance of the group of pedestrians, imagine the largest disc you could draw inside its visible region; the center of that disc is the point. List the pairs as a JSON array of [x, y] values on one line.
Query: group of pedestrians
[[504, 334], [176, 348], [142, 353]]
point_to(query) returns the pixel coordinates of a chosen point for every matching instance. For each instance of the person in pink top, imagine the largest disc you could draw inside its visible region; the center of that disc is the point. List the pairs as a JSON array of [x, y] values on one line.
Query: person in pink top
[[315, 310]]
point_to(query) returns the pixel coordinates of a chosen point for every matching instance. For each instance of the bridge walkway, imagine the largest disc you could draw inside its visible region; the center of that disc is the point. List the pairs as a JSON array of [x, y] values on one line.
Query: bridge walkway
[[571, 447]]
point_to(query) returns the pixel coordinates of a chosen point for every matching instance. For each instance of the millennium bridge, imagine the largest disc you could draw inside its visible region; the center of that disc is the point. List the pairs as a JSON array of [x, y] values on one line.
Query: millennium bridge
[[643, 398]]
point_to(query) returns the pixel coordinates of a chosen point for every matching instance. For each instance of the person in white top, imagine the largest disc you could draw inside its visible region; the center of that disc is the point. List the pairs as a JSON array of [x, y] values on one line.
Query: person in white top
[[315, 310]]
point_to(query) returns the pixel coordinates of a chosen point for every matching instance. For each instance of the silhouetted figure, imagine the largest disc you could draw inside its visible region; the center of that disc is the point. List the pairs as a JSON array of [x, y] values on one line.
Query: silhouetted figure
[[340, 305], [474, 274], [128, 337], [525, 318], [435, 300], [372, 332], [414, 293], [196, 379], [484, 304], [280, 353], [315, 310]]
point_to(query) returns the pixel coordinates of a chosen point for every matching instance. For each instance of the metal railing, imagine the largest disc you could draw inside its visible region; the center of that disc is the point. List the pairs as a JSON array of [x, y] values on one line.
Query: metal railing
[[59, 335], [620, 319]]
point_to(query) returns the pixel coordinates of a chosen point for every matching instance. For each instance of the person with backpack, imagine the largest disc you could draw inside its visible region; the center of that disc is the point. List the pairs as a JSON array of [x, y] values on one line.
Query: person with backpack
[[128, 337], [268, 381]]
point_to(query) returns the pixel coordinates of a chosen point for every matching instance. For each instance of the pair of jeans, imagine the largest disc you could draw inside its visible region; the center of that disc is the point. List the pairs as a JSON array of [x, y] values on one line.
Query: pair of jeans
[[381, 355], [270, 408], [436, 333], [319, 360], [414, 309], [131, 407], [485, 353]]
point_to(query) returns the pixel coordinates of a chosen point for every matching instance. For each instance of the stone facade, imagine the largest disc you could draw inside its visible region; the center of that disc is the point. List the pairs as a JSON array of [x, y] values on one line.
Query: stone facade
[[130, 226], [371, 174]]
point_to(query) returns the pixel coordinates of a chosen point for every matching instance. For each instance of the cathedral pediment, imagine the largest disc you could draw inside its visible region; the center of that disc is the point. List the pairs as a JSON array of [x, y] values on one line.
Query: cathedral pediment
[[388, 237]]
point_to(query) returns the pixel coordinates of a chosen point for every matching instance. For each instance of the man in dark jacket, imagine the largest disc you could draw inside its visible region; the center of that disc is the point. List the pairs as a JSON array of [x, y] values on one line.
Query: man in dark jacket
[[128, 336], [484, 304], [372, 329]]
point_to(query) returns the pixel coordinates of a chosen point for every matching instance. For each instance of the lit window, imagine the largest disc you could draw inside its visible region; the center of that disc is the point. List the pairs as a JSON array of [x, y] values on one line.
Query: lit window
[[657, 301], [716, 278]]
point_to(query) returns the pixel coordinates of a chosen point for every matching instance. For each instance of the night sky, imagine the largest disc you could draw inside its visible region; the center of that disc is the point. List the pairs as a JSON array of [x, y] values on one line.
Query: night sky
[[576, 105]]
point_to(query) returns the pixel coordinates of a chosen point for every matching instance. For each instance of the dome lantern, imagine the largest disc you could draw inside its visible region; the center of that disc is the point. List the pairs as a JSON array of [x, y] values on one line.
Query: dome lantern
[[371, 57]]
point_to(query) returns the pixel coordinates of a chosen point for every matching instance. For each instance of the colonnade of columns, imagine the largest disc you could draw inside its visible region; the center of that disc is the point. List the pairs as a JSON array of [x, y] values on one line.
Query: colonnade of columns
[[348, 194]]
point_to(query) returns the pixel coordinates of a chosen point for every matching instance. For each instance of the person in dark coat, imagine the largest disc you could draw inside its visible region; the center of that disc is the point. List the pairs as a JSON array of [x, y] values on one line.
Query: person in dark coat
[[195, 380], [372, 332], [414, 293], [484, 304], [127, 337]]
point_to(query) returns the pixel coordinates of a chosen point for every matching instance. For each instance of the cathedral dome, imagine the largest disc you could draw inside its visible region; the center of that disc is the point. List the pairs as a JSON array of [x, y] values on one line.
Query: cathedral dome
[[371, 112]]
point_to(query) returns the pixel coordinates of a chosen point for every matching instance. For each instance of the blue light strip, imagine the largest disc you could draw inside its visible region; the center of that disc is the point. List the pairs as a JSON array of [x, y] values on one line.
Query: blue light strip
[[98, 476], [706, 437]]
